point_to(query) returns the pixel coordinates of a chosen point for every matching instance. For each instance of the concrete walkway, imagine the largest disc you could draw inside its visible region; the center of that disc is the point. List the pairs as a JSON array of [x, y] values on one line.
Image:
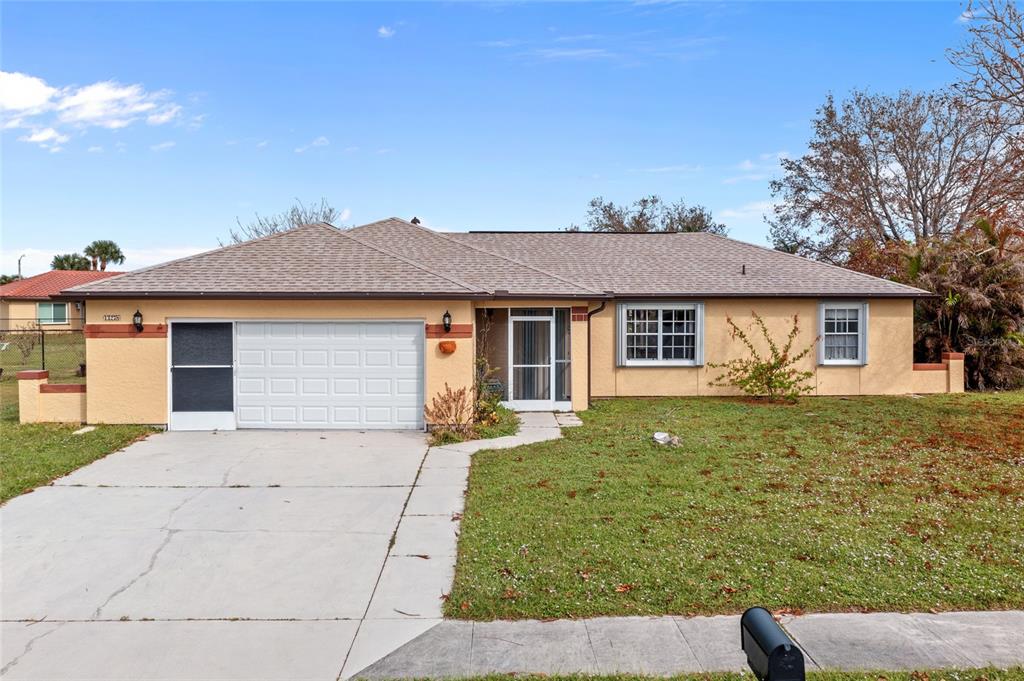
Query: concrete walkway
[[409, 602], [675, 645]]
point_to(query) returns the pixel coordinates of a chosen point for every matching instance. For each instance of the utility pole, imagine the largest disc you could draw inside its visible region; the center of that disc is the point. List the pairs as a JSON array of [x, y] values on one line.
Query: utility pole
[[19, 264]]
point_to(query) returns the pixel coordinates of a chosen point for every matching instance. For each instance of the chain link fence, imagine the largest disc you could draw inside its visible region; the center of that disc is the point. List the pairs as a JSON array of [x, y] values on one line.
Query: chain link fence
[[25, 344]]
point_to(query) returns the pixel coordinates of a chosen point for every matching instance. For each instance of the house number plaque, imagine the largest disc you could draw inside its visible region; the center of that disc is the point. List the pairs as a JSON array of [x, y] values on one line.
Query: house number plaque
[[111, 317]]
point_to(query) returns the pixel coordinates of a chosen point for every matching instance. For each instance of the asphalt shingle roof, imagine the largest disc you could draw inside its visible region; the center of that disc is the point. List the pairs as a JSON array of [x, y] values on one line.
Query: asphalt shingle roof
[[394, 258]]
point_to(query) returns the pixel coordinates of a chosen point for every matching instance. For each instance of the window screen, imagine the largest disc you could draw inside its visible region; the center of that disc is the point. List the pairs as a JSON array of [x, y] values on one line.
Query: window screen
[[201, 344]]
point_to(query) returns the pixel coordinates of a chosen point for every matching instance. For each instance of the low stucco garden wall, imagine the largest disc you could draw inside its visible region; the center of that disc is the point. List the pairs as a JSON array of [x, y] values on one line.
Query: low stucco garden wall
[[40, 401]]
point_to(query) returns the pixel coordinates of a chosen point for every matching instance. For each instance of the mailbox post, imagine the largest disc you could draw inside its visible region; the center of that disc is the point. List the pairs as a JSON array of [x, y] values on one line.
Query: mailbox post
[[771, 654]]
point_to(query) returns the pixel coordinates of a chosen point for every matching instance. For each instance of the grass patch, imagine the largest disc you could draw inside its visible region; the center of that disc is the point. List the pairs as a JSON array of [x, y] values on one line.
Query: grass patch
[[507, 424], [34, 454], [985, 674], [871, 503]]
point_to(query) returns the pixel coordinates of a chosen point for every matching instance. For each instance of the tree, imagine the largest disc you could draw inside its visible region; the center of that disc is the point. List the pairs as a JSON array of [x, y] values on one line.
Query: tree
[[993, 60], [70, 261], [296, 216], [884, 170], [979, 309], [8, 278], [649, 214], [102, 252]]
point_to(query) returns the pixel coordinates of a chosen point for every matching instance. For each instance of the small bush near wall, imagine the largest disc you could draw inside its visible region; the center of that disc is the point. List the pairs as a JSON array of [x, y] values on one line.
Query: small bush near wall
[[775, 376], [450, 416]]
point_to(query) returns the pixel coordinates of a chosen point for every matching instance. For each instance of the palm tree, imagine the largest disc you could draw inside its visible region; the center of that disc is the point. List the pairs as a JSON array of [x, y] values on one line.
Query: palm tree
[[69, 261], [102, 252]]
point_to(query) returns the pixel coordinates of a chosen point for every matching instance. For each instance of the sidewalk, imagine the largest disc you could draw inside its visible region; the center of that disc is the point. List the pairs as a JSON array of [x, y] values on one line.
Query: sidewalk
[[675, 645]]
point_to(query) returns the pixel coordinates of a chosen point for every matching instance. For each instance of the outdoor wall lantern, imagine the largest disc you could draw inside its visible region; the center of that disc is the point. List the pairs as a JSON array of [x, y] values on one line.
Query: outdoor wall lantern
[[137, 321], [446, 319]]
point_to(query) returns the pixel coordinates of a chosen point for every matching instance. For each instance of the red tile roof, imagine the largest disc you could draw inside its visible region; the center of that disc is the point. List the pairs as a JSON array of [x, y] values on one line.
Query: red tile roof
[[42, 286]]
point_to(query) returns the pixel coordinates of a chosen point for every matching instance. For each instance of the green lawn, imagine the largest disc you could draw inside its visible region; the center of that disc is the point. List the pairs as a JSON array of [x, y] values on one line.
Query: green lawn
[[34, 454], [874, 503]]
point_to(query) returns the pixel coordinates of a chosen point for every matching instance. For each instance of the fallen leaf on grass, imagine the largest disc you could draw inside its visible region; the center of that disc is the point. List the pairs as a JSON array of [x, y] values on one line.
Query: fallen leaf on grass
[[624, 588]]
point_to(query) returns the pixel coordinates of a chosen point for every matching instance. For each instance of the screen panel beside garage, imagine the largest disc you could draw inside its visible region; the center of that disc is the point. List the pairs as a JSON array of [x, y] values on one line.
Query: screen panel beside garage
[[330, 375]]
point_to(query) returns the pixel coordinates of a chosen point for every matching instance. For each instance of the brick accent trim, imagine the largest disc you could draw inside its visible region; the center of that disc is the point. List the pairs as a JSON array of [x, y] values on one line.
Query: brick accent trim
[[930, 367], [952, 355], [579, 313], [62, 388], [458, 331], [32, 375], [124, 331]]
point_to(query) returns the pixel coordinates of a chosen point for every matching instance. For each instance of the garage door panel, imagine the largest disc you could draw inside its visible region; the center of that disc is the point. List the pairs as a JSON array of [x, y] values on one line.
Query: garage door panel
[[330, 374]]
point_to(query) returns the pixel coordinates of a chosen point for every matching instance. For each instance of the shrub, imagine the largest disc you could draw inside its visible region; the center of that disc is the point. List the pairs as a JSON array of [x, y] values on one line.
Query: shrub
[[775, 376], [450, 416], [979, 280]]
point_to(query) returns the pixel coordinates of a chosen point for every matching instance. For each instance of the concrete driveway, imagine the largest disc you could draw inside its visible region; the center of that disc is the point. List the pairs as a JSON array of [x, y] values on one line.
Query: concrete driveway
[[249, 554]]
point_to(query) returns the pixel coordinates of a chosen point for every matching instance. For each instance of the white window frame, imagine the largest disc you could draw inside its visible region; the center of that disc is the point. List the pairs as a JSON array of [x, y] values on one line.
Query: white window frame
[[39, 316], [862, 331], [698, 351]]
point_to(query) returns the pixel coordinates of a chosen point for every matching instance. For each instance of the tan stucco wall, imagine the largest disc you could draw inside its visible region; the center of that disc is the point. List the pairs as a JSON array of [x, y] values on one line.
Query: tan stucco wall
[[890, 352], [28, 399], [128, 376], [17, 313], [35, 406]]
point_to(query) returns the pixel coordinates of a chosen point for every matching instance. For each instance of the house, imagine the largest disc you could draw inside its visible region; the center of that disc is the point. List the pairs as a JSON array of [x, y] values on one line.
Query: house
[[28, 302], [320, 327]]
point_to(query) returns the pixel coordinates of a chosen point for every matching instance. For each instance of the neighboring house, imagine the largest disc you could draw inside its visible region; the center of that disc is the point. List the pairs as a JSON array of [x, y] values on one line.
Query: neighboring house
[[319, 327], [28, 302]]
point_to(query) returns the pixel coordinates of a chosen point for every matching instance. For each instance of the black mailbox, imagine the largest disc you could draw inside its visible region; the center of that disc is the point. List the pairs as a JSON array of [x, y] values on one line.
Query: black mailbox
[[771, 654]]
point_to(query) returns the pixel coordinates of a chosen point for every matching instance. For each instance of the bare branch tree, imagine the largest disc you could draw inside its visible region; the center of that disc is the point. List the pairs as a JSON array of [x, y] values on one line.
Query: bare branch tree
[[890, 170], [649, 214], [993, 59], [296, 216]]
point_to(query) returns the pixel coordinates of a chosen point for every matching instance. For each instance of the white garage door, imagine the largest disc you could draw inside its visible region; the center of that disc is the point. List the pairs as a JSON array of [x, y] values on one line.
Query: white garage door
[[330, 374]]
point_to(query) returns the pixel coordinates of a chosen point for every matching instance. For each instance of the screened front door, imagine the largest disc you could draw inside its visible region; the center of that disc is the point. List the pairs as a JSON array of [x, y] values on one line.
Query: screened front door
[[202, 376], [538, 358]]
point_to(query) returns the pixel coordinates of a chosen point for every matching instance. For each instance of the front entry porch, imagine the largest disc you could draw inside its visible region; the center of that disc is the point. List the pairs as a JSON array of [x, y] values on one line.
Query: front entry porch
[[528, 350]]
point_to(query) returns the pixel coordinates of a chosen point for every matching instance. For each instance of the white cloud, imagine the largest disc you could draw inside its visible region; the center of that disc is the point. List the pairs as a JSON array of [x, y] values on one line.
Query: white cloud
[[320, 141], [24, 93], [344, 215], [682, 168], [164, 115], [763, 168], [748, 211], [581, 53], [28, 102], [261, 144], [163, 146], [965, 16], [500, 43], [385, 32], [96, 150], [44, 135]]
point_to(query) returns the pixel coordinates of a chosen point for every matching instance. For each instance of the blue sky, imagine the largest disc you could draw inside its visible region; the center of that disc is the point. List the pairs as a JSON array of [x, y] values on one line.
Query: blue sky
[[157, 124]]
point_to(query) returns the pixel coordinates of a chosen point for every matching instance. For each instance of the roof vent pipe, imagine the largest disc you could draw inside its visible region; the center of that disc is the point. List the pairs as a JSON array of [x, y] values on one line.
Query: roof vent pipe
[[743, 269]]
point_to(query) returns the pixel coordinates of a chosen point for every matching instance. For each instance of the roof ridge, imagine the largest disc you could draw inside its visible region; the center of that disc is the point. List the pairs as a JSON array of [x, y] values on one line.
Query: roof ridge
[[408, 261], [501, 257], [220, 249], [816, 262]]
